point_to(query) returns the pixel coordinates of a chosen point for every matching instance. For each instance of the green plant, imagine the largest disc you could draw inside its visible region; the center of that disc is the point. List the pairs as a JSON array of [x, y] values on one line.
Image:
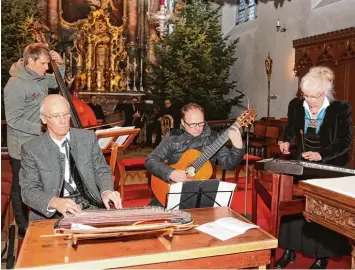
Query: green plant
[[192, 64], [14, 38]]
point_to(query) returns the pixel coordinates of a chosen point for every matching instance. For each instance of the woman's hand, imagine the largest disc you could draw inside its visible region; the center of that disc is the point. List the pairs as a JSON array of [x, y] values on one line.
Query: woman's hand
[[312, 156], [285, 148]]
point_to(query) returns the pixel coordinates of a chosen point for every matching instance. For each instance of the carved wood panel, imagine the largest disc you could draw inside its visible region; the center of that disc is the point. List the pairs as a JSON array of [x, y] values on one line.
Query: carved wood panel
[[335, 50]]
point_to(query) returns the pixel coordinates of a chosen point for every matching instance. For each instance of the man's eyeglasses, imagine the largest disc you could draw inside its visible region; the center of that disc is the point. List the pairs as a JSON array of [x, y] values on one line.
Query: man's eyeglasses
[[194, 125], [312, 97], [57, 117]]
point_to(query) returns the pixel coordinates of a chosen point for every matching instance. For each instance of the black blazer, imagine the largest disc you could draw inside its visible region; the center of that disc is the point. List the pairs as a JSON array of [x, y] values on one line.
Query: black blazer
[[335, 132]]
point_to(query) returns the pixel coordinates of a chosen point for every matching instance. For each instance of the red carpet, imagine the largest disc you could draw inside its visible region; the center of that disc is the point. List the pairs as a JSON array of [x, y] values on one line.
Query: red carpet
[[140, 195]]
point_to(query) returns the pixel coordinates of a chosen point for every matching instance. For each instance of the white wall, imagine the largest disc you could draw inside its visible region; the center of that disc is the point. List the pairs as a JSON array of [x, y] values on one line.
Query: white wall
[[258, 37]]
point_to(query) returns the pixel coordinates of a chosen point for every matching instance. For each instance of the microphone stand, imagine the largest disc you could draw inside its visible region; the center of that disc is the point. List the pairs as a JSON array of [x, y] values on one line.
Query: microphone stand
[[248, 216]]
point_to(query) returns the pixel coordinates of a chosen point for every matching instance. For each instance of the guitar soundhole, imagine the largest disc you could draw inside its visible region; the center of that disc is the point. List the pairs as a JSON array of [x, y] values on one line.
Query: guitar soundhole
[[191, 171]]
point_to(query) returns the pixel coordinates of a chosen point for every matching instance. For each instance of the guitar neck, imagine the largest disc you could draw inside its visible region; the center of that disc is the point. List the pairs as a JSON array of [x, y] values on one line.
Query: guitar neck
[[213, 148]]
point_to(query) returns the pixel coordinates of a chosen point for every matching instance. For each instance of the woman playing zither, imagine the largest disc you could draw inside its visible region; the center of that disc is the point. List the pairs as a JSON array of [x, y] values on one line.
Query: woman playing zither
[[321, 127]]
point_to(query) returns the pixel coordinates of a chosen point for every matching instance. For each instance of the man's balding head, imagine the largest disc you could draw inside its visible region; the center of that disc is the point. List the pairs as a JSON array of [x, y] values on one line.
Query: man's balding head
[[55, 113], [50, 100]]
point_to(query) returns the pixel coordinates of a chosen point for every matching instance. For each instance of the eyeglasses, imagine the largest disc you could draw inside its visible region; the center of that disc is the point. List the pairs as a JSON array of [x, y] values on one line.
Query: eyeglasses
[[312, 97], [57, 117], [194, 125]]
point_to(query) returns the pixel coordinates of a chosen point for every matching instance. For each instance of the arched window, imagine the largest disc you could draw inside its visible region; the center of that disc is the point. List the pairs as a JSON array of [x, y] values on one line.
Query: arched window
[[246, 10]]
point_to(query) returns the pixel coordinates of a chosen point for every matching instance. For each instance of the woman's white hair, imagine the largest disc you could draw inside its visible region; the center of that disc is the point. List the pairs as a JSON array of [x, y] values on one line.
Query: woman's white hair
[[319, 79]]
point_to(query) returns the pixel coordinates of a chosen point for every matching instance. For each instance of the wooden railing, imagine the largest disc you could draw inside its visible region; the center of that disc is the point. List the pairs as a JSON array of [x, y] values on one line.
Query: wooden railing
[[220, 125]]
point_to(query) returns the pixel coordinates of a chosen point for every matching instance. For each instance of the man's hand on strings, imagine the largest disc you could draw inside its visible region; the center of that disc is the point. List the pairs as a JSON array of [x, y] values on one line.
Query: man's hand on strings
[[65, 206], [312, 156], [56, 57], [235, 137], [113, 196], [178, 176], [285, 148]]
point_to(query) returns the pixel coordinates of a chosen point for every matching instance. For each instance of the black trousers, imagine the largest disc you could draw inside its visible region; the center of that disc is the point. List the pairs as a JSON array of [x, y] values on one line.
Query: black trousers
[[20, 209], [149, 132], [311, 239]]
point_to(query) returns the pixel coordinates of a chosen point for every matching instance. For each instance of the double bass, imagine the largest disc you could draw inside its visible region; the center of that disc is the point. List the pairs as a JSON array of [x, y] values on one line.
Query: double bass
[[81, 113]]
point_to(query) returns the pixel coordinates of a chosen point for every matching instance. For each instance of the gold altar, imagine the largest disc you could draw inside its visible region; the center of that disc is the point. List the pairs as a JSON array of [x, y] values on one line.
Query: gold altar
[[100, 53]]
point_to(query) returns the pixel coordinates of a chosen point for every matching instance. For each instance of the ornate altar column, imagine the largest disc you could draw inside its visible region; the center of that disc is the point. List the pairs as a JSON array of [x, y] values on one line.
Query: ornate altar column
[[153, 7], [132, 23], [117, 10], [53, 18], [43, 8]]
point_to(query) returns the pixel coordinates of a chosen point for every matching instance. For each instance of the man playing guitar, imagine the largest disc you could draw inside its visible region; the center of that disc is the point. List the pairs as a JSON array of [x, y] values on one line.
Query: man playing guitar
[[194, 133]]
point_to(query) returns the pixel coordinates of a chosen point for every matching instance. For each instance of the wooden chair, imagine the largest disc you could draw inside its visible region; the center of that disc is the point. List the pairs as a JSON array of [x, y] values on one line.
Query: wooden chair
[[240, 167], [260, 148], [129, 164], [276, 191], [259, 132], [167, 123], [7, 217]]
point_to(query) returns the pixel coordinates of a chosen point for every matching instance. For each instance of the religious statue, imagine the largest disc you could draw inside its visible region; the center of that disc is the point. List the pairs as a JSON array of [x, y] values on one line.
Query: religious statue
[[268, 67], [99, 52]]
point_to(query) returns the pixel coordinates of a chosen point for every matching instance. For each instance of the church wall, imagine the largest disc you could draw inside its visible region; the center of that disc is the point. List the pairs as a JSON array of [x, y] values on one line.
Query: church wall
[[258, 37]]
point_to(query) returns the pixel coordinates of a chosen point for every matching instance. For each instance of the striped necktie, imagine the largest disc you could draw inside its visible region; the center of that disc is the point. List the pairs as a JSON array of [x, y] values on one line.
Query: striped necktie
[[65, 144]]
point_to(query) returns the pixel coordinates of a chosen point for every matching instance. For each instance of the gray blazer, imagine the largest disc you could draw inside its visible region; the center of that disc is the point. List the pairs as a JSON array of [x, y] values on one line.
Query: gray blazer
[[43, 167]]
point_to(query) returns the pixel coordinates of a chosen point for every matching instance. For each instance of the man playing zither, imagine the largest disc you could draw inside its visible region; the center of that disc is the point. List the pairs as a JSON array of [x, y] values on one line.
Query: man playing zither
[[64, 170]]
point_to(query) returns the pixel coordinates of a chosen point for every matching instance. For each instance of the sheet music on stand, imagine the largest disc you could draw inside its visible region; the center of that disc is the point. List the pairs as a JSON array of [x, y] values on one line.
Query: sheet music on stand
[[200, 194], [103, 142], [123, 136]]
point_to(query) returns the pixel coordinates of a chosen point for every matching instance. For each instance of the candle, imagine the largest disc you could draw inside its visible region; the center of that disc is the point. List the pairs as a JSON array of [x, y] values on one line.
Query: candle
[[278, 22], [141, 65], [134, 63]]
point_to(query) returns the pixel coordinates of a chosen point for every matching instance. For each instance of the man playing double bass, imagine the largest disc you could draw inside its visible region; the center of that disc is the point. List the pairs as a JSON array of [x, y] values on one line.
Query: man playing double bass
[[23, 93]]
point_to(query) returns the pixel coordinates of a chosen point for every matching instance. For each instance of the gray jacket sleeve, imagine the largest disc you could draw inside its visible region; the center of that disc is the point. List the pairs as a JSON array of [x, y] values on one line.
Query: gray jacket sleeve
[[32, 191], [50, 78], [14, 99], [230, 159], [103, 176], [154, 163]]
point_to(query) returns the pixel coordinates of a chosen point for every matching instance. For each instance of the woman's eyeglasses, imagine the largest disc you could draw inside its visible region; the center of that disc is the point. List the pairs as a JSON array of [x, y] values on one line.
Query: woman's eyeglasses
[[312, 97], [194, 125]]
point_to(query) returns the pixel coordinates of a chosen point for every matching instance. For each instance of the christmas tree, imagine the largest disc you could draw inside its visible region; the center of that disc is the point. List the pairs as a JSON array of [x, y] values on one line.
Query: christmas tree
[[14, 37], [192, 63]]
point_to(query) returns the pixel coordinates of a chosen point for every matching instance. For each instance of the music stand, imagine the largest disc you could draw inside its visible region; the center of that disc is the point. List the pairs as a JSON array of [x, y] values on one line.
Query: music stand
[[113, 136], [200, 194]]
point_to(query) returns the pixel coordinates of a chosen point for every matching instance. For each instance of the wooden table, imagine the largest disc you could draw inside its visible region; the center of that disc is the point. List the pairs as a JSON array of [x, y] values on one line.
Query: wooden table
[[331, 203], [193, 249]]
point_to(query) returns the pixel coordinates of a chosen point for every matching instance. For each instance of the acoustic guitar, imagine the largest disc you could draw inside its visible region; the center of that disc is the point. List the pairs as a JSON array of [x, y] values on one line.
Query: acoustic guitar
[[197, 164]]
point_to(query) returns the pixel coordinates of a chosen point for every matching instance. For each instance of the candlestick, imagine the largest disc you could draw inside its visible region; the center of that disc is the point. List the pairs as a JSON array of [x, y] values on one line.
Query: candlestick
[[141, 78], [134, 74], [128, 74]]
